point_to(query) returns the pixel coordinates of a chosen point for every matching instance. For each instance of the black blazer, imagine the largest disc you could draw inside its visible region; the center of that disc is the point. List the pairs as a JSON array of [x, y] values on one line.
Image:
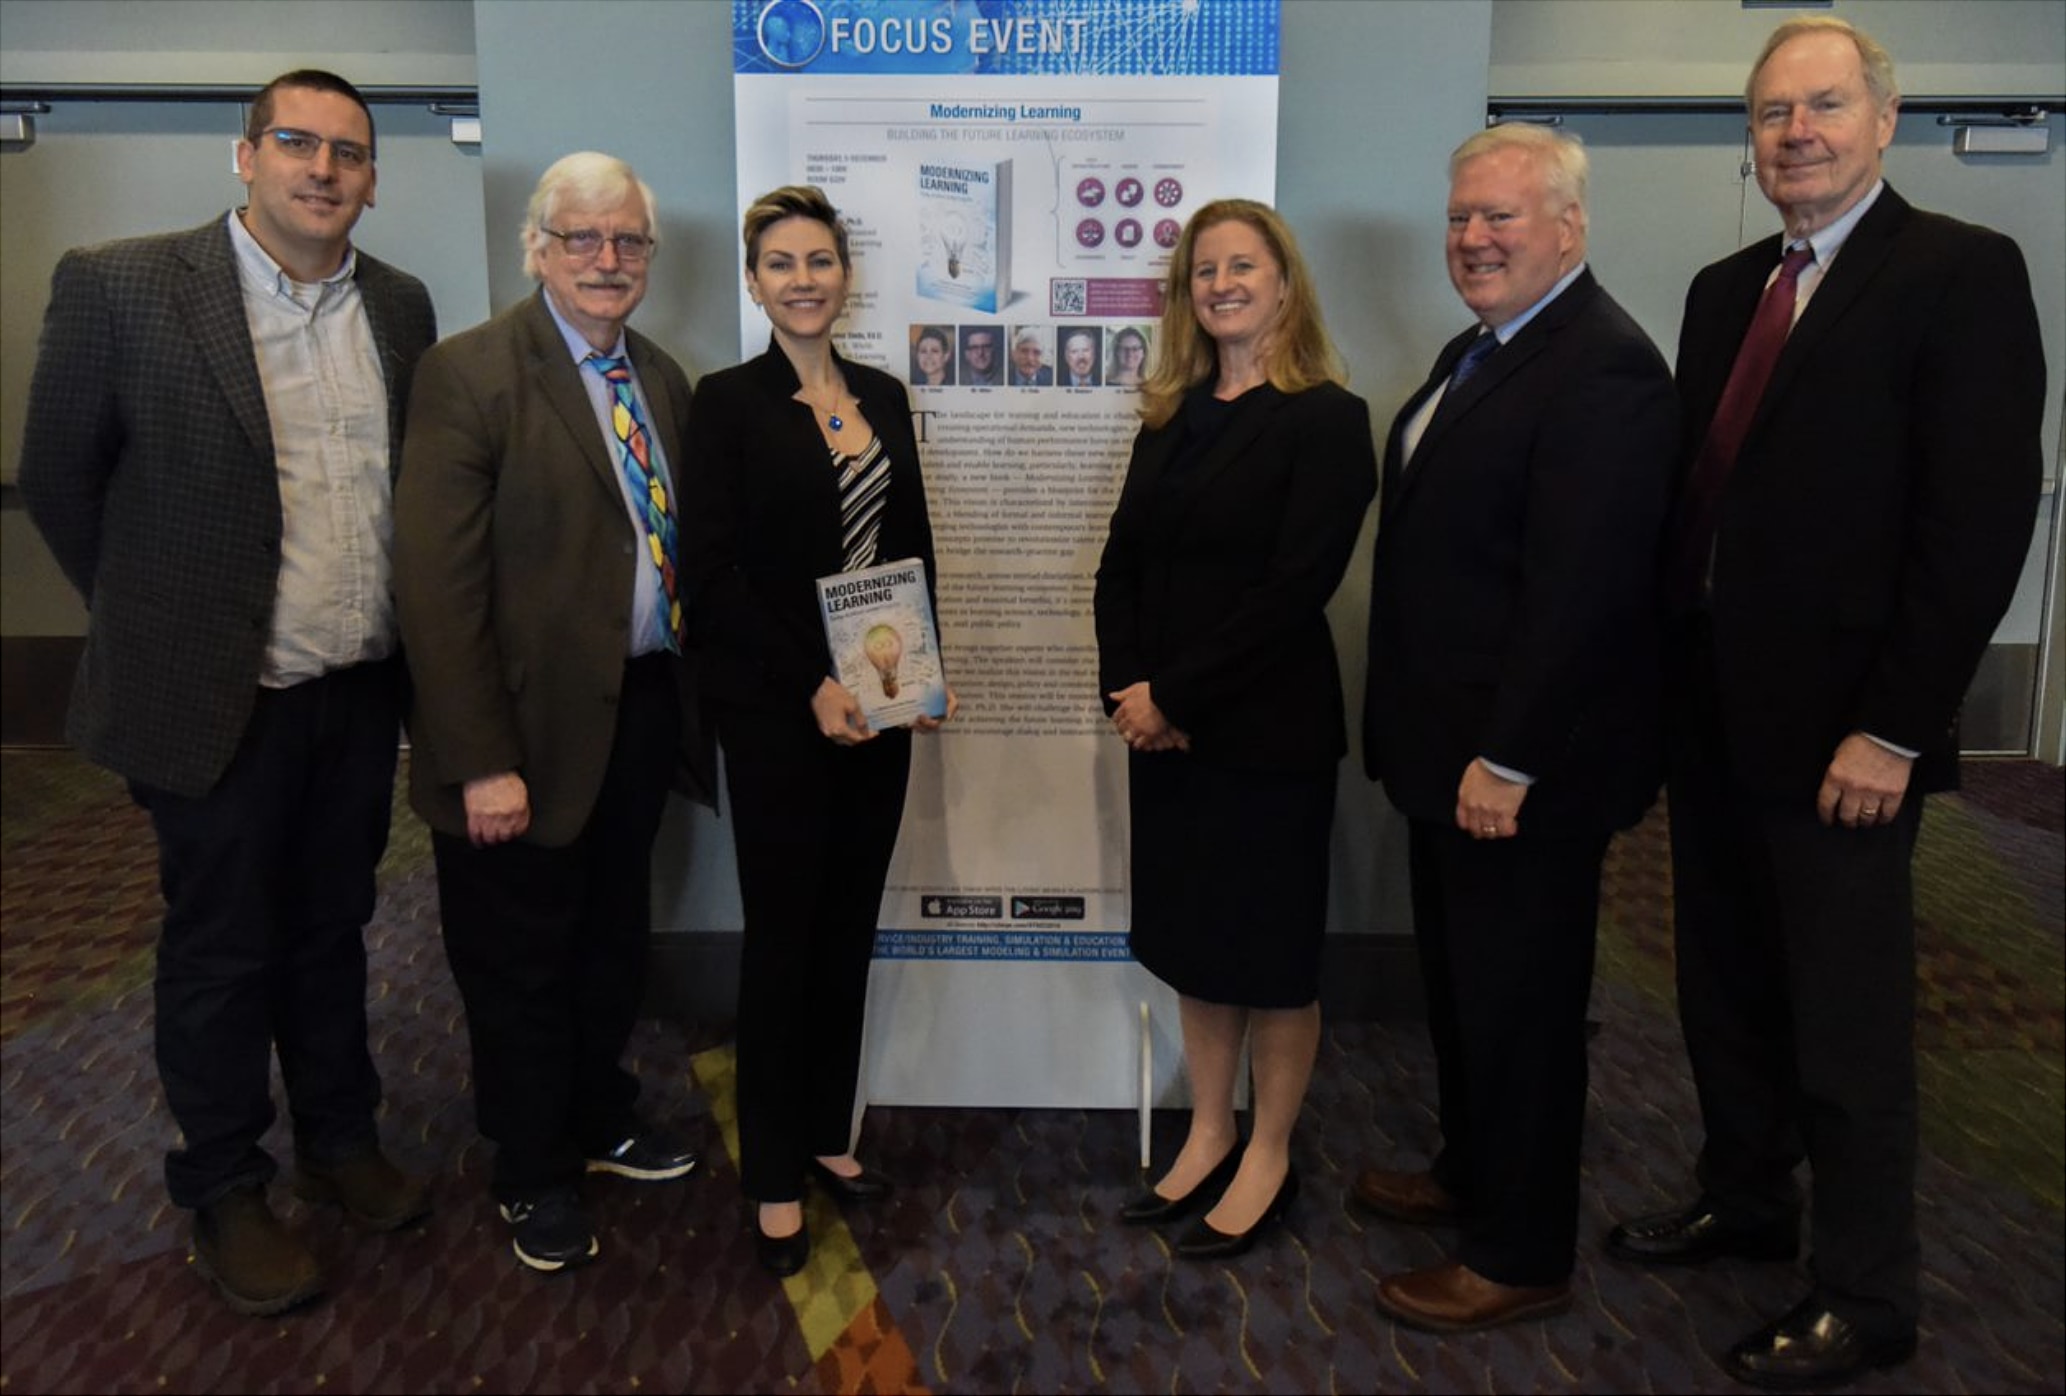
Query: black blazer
[[1214, 587], [760, 510], [147, 463], [1512, 596], [1879, 513]]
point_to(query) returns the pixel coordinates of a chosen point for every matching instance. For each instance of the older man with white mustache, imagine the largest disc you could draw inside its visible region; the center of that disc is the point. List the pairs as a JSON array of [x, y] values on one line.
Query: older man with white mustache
[[535, 575]]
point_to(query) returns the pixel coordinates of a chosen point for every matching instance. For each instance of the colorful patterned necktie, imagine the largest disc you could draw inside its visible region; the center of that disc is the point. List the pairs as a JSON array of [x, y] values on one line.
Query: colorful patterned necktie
[[646, 485], [1701, 509]]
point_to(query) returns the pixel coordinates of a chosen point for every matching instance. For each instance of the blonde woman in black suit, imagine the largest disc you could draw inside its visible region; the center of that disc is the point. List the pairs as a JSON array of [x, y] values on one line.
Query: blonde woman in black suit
[[801, 464], [1248, 484]]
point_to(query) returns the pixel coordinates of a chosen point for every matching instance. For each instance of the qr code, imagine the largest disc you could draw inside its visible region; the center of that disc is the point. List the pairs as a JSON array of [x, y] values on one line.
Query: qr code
[[1067, 297]]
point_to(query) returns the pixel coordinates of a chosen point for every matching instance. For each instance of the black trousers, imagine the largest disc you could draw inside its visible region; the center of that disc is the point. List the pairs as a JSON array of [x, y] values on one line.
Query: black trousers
[[1796, 980], [815, 825], [268, 885], [548, 947], [1506, 932]]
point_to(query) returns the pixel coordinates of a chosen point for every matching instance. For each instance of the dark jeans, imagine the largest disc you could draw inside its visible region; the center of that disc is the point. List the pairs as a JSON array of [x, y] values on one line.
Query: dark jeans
[[549, 946], [268, 883]]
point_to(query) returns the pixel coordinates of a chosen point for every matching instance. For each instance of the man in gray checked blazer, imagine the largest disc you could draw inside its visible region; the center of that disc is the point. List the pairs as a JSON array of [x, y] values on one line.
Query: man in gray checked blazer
[[212, 430]]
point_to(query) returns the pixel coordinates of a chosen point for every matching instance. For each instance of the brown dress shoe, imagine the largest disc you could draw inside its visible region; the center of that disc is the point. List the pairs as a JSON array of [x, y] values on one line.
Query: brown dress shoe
[[373, 1192], [259, 1266], [1454, 1298], [1407, 1197]]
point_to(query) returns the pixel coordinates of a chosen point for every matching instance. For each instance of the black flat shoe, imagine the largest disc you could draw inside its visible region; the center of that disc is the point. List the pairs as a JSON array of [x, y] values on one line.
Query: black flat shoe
[[781, 1256], [865, 1186], [1151, 1206], [1202, 1241]]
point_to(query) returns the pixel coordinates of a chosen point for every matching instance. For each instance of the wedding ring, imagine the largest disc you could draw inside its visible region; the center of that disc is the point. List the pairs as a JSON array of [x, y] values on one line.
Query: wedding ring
[[1491, 828]]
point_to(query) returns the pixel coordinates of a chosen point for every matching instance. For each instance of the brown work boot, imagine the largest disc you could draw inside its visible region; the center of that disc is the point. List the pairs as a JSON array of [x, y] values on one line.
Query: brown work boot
[[373, 1192], [260, 1266]]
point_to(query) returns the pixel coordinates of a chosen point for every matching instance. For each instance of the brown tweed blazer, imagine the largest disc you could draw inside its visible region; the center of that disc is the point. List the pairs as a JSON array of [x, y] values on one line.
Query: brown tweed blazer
[[514, 559]]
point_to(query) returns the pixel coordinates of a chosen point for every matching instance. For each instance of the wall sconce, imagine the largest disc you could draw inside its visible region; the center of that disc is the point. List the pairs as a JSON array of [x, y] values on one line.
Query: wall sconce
[[18, 123], [2010, 133], [466, 121]]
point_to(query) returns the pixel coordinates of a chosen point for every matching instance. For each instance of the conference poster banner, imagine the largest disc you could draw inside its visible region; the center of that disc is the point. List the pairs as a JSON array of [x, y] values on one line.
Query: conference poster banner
[[1013, 175]]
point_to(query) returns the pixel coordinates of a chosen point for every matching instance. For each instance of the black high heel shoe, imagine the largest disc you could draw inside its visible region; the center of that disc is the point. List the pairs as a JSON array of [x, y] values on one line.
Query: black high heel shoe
[[781, 1256], [1151, 1206], [1203, 1241], [865, 1186]]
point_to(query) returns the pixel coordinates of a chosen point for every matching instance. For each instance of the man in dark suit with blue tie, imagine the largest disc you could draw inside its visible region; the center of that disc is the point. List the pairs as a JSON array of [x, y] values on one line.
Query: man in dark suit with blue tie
[[212, 429], [1861, 430], [1511, 709]]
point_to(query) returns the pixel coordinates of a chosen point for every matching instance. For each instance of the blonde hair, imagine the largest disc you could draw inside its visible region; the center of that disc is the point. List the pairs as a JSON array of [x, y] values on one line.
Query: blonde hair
[[1297, 354], [792, 201], [1873, 57], [1560, 158]]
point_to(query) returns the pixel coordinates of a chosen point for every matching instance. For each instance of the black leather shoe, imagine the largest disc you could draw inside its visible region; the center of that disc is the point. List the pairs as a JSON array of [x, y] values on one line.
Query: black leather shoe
[[1151, 1206], [781, 1256], [1690, 1235], [1202, 1241], [1813, 1347], [865, 1186]]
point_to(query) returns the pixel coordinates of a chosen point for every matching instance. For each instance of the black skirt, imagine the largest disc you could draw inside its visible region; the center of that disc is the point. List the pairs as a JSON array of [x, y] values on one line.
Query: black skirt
[[1230, 878]]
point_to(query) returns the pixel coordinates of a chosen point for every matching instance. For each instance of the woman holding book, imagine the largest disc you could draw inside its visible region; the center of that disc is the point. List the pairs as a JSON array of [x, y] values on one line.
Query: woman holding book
[[1248, 485], [800, 465]]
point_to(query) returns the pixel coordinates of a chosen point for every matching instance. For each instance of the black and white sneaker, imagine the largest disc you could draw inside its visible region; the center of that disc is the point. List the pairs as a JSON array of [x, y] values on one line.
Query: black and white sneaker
[[649, 1156], [552, 1232]]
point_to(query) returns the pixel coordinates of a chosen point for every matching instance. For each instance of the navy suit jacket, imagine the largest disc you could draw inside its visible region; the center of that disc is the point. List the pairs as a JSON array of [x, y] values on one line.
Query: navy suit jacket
[[1880, 510], [1513, 593]]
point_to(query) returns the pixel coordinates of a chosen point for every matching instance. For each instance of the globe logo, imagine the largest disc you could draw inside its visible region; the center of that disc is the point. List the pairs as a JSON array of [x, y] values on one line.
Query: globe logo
[[790, 32]]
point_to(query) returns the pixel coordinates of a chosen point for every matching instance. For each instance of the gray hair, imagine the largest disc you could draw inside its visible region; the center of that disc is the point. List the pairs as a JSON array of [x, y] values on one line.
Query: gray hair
[[1561, 158], [586, 179], [1873, 57]]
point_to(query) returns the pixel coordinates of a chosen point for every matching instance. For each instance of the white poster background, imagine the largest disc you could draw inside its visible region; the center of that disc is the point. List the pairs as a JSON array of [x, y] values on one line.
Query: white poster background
[[1001, 975]]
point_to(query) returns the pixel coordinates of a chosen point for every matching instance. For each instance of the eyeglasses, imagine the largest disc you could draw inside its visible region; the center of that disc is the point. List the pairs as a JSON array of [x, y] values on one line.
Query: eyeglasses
[[303, 145], [585, 244]]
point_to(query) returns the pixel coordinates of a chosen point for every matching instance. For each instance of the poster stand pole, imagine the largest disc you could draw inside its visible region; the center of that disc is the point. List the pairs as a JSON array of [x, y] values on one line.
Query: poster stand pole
[[1147, 1082]]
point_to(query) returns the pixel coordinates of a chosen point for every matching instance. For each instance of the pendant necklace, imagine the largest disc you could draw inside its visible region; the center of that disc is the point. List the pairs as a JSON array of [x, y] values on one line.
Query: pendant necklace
[[832, 417]]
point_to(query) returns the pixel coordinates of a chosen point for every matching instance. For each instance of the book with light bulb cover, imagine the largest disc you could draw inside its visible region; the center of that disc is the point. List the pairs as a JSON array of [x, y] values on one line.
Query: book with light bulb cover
[[885, 647], [964, 232]]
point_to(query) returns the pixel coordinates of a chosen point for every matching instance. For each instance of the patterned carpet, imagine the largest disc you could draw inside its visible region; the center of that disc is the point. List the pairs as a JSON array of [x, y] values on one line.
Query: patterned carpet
[[996, 1268]]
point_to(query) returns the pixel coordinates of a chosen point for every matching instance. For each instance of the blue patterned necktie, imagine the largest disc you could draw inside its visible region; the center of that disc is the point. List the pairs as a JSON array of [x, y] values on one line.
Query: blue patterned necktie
[[635, 454], [1480, 350]]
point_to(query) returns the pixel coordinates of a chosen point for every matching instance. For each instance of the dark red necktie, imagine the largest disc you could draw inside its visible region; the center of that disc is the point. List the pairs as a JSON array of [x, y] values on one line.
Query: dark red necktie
[[1699, 509]]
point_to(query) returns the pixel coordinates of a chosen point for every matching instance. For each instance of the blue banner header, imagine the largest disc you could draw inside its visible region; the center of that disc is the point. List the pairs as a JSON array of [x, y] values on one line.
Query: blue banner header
[[1090, 38]]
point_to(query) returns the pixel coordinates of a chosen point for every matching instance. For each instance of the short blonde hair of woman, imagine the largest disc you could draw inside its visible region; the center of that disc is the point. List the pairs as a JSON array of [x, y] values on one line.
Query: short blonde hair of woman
[[792, 201], [1297, 353]]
